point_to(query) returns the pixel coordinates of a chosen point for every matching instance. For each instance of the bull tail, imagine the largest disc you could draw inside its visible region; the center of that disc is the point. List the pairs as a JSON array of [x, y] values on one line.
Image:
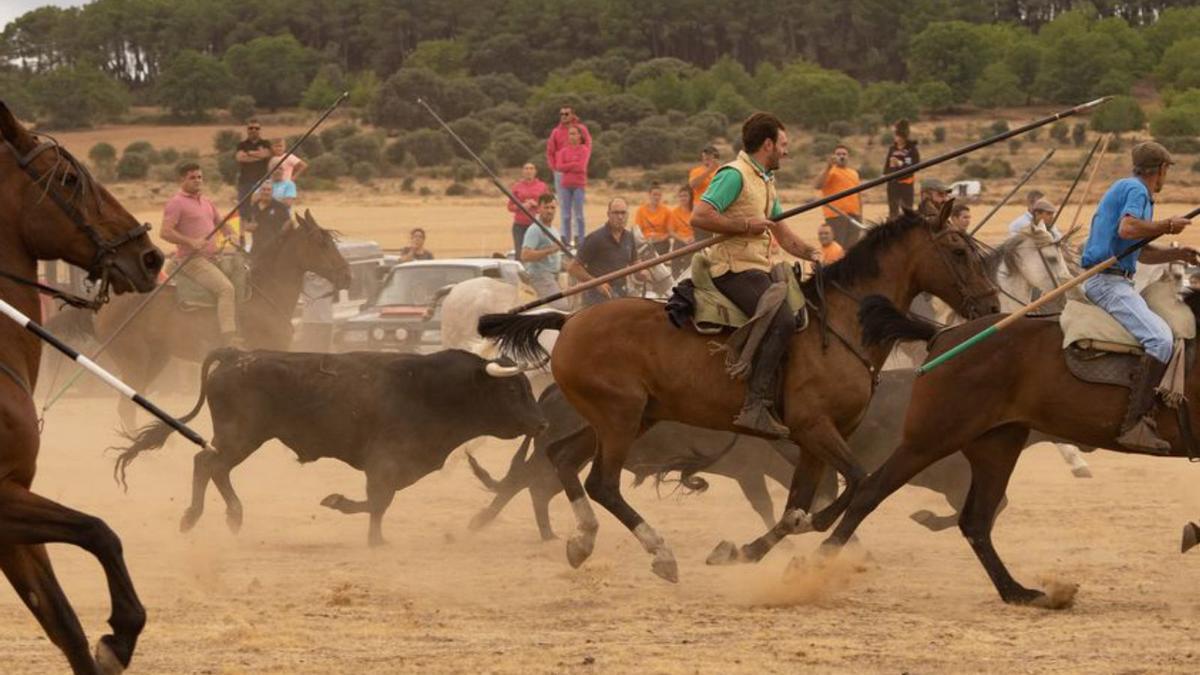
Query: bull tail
[[154, 435], [688, 466], [514, 467], [517, 334]]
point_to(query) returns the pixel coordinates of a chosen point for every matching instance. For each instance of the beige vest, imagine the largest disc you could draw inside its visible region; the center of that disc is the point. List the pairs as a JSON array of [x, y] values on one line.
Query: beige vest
[[745, 252]]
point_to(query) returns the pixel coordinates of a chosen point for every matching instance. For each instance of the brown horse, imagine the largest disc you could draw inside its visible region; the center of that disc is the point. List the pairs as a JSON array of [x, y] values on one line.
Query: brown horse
[[52, 209], [163, 330], [984, 403], [623, 367]]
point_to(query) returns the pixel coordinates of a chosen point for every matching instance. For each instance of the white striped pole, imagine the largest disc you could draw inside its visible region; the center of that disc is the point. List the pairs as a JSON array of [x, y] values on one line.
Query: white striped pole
[[108, 378]]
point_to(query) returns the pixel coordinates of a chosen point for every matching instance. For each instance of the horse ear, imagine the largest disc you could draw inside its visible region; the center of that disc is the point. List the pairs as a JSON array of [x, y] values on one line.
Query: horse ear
[[13, 131], [944, 214], [308, 219]]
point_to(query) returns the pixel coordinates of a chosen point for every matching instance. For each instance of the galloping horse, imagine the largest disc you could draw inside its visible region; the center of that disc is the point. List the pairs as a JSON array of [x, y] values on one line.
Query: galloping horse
[[52, 209], [164, 330], [623, 366], [984, 403]]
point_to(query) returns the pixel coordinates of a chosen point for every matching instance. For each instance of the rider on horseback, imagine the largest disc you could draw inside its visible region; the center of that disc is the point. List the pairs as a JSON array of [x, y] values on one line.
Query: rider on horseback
[[188, 218], [1124, 215], [740, 201]]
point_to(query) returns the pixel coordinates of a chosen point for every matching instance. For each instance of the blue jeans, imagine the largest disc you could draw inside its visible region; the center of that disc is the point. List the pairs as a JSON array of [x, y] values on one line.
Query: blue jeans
[[1117, 296], [571, 203], [518, 235]]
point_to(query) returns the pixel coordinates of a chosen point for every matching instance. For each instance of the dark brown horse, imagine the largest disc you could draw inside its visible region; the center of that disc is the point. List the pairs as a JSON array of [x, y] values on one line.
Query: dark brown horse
[[163, 330], [623, 366], [52, 209], [984, 403]]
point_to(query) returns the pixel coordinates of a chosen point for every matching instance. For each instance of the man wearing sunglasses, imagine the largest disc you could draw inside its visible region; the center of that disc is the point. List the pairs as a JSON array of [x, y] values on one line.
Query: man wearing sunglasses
[[559, 138], [253, 155]]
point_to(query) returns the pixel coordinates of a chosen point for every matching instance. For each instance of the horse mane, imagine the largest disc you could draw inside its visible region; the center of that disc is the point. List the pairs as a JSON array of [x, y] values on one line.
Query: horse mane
[[861, 261], [1005, 253]]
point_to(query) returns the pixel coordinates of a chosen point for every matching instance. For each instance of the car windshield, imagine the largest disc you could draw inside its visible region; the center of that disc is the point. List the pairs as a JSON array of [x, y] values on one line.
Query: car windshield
[[416, 285]]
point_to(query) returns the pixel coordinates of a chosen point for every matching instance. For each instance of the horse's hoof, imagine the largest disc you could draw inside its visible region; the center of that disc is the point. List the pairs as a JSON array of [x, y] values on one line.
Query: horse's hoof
[[1191, 537], [189, 519], [107, 662], [233, 520], [1058, 595], [726, 553], [579, 549], [333, 501], [1084, 471], [664, 565], [931, 521]]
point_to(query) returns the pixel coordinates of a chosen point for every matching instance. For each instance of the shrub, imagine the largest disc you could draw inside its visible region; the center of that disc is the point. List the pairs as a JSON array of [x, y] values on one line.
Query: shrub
[[999, 168], [227, 168], [515, 148], [890, 100], [364, 172], [1014, 146], [730, 103], [885, 138], [815, 97], [455, 190], [505, 112], [1176, 121], [1195, 166], [164, 174], [133, 166], [997, 87], [600, 164], [463, 170], [407, 184], [1120, 114], [473, 132], [976, 170], [710, 122], [1182, 145], [360, 148], [1060, 131], [841, 128], [1079, 134], [935, 96], [646, 146], [868, 171], [998, 127], [104, 158], [424, 191], [139, 147], [313, 147], [329, 166], [822, 145], [427, 147], [395, 153], [226, 140], [939, 134], [241, 108], [868, 123], [331, 136]]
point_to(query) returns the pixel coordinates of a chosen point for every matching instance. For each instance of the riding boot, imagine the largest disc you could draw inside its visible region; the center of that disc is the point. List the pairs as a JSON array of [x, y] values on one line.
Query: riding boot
[[1139, 431], [757, 412]]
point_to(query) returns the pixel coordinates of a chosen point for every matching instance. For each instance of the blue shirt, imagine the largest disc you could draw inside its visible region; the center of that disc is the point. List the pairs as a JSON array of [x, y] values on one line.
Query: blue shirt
[[283, 189], [546, 267], [1126, 197]]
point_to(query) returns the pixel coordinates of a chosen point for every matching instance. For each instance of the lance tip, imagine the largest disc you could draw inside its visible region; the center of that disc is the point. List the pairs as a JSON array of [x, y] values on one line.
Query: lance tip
[[1093, 104]]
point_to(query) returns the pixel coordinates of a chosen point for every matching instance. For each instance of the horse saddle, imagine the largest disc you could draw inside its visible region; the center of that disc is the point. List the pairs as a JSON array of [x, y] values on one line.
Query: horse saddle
[[191, 296], [697, 300]]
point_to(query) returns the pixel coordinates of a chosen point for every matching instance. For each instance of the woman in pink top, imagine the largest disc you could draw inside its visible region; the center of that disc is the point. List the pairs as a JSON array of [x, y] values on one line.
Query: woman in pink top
[[527, 190], [572, 161]]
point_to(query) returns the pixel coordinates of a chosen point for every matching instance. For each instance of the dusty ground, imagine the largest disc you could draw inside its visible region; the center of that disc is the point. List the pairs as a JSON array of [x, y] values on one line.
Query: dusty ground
[[299, 591]]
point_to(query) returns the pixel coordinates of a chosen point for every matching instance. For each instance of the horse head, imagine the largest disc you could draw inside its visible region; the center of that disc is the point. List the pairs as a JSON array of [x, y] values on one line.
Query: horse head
[[957, 273], [1038, 258], [312, 248], [80, 222]]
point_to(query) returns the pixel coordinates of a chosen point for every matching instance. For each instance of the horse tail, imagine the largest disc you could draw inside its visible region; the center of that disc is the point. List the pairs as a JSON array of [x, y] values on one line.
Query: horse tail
[[154, 435], [883, 323], [514, 466], [517, 334], [688, 466]]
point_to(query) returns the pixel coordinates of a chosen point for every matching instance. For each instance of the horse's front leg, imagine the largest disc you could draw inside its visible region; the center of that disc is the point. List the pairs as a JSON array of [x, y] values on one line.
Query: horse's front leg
[[821, 444]]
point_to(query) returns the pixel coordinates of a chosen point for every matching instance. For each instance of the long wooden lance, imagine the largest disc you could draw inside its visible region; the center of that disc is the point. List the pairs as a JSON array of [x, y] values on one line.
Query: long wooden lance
[[496, 181], [1075, 183], [1016, 188], [1043, 300], [808, 206], [1087, 189], [183, 263]]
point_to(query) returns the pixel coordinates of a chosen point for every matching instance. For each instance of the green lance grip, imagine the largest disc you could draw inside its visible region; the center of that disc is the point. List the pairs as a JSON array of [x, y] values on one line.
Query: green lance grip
[[958, 349]]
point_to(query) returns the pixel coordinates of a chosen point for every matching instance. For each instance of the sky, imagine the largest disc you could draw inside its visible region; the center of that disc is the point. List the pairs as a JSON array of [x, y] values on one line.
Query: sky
[[11, 9]]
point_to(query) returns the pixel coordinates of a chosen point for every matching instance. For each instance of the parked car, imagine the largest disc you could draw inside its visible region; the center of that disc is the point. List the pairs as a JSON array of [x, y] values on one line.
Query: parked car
[[397, 319], [319, 312], [969, 191]]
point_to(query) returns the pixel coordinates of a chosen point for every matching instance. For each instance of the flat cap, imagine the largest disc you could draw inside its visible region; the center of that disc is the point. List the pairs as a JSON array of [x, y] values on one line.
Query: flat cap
[[933, 185]]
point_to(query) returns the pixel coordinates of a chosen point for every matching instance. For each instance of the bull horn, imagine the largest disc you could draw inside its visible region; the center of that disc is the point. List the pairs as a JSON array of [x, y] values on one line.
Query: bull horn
[[496, 370]]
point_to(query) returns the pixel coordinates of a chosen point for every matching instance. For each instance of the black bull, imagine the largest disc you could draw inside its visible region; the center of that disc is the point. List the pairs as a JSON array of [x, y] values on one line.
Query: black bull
[[670, 447], [396, 417]]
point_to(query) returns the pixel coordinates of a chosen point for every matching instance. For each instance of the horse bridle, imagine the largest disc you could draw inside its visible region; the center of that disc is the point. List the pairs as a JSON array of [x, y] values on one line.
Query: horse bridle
[[961, 284], [106, 249]]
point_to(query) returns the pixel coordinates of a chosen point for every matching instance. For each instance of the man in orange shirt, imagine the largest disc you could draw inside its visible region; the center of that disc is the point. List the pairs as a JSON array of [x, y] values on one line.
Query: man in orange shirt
[[836, 177], [681, 227], [700, 176], [654, 220], [831, 251]]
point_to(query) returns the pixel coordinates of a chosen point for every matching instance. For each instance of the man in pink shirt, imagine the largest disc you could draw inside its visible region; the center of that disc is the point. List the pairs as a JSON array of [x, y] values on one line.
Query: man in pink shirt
[[187, 219], [527, 190], [557, 141]]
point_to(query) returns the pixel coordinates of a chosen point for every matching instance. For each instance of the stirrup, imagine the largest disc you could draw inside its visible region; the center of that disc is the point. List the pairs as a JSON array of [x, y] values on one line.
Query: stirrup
[[757, 417], [1142, 436]]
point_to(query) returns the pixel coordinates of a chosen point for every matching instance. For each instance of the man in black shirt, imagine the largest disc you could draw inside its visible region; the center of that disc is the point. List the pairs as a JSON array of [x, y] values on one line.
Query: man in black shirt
[[605, 250], [253, 155], [265, 217]]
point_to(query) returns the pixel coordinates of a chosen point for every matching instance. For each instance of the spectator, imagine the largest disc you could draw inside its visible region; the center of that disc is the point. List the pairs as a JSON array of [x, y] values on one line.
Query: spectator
[[292, 167], [542, 258], [901, 154], [528, 192], [1043, 218], [700, 176], [557, 140], [654, 220], [266, 218], [416, 247], [836, 177], [571, 161], [960, 216], [606, 250], [1025, 219], [282, 189], [252, 155], [680, 227], [831, 251], [933, 195]]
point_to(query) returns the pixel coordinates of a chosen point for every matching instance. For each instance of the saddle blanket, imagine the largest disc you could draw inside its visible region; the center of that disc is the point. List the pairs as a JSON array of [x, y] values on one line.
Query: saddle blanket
[[1082, 321]]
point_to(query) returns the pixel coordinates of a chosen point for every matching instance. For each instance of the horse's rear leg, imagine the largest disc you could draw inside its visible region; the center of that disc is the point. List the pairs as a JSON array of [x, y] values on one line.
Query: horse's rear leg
[[993, 457], [28, 519], [29, 571], [568, 456]]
